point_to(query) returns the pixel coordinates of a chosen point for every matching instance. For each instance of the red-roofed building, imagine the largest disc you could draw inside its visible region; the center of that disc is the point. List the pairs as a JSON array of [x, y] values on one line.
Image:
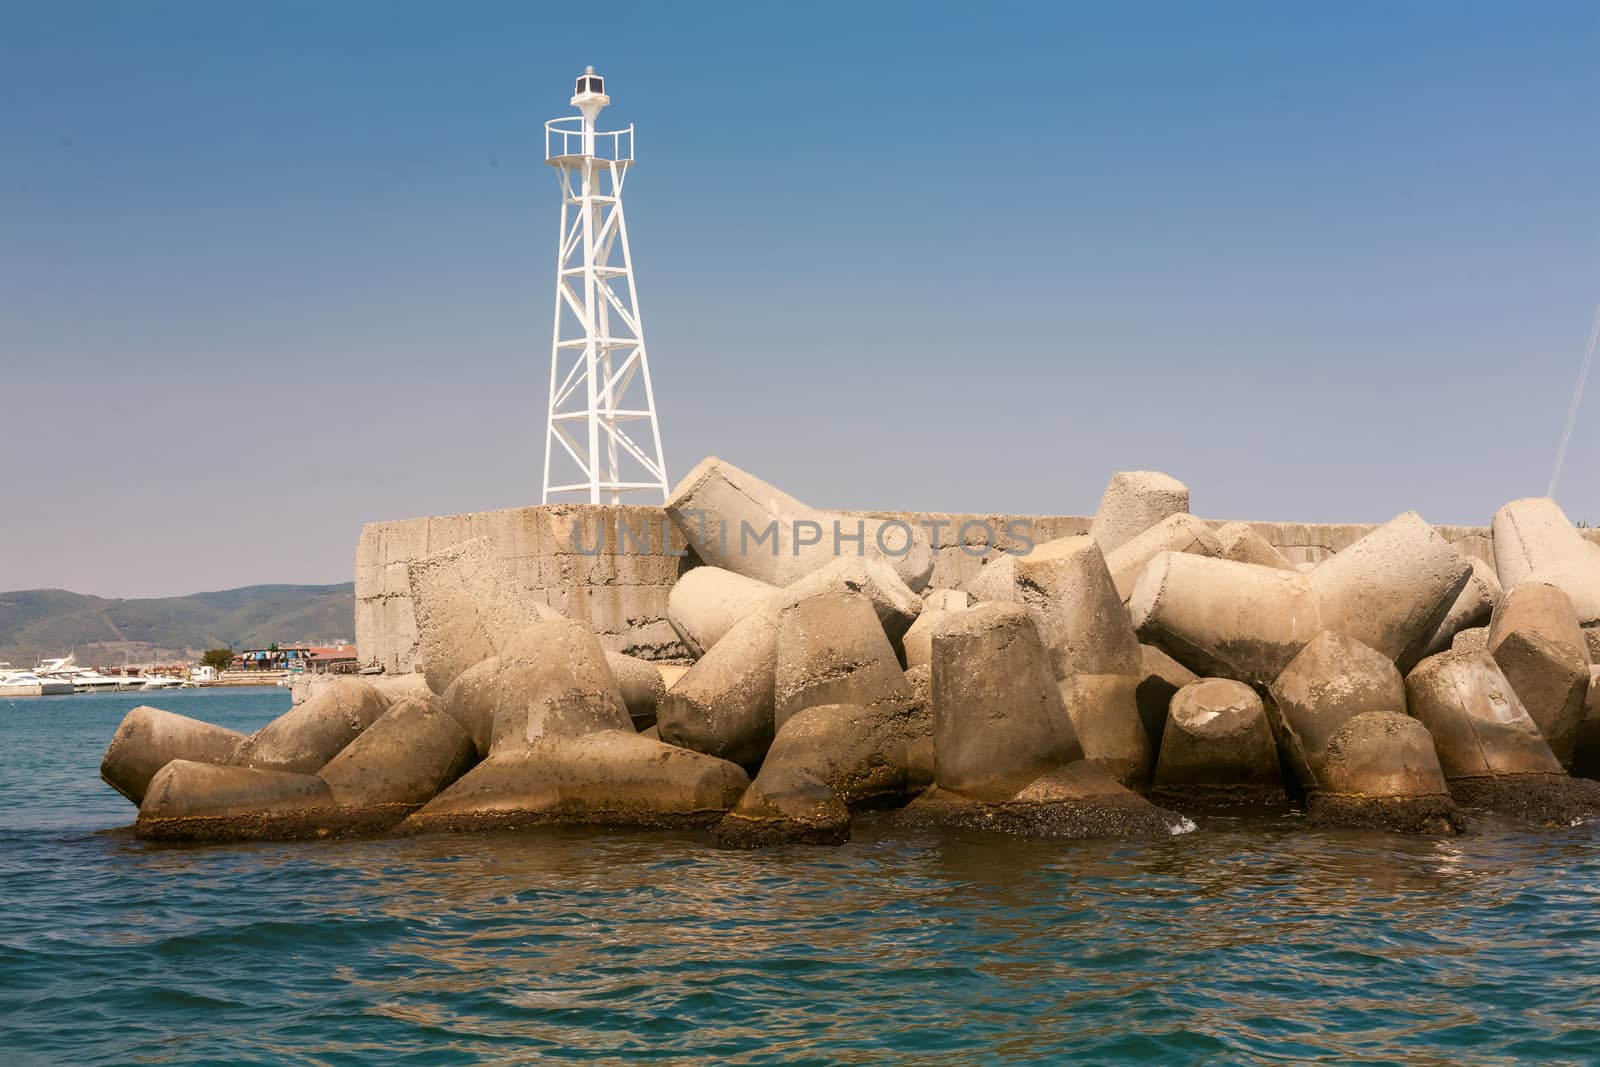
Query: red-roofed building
[[334, 659]]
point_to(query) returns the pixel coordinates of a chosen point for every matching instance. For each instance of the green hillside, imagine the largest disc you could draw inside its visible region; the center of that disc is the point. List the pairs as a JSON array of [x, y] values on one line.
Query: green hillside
[[52, 622]]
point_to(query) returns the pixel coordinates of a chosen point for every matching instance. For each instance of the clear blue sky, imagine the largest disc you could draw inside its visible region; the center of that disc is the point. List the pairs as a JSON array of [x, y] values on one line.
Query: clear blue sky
[[271, 270]]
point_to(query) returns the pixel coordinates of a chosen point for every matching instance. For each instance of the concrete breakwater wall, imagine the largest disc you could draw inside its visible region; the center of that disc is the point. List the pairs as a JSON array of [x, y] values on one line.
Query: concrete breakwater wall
[[613, 566]]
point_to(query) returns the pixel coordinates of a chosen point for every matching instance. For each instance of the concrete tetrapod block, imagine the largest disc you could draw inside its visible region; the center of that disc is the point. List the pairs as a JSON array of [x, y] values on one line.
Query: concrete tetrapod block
[[825, 761], [468, 602], [1242, 544], [201, 802], [1472, 639], [723, 706], [1379, 771], [896, 606], [998, 720], [1332, 680], [1176, 533], [1133, 502], [305, 738], [1077, 800], [148, 739], [1489, 748], [554, 682], [1472, 607], [1534, 637], [996, 583], [1534, 540], [641, 685], [946, 600], [1218, 749], [1067, 588], [727, 513], [471, 701], [918, 641], [832, 650], [1162, 677], [1391, 589], [1591, 639], [707, 601], [397, 687], [1104, 709], [1223, 619], [606, 778], [400, 762]]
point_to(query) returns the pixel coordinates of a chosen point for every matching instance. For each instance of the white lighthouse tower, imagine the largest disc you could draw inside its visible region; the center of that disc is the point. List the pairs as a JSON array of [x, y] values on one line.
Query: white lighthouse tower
[[602, 438]]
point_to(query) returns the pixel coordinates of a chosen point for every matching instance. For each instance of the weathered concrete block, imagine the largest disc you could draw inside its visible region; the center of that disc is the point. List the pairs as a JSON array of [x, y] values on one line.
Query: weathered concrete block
[[730, 517], [1176, 533], [1218, 749], [1392, 588], [305, 738], [1535, 639], [397, 687], [1223, 619], [895, 604], [1332, 680], [1379, 771], [945, 600], [1471, 608], [826, 760], [1479, 726], [401, 761], [554, 682], [998, 720], [832, 650], [609, 777], [708, 601], [148, 739], [193, 801], [471, 700], [641, 686], [723, 705], [1240, 543], [1471, 639], [1133, 502], [956, 568], [1068, 590], [1489, 748], [1534, 541], [468, 604], [1161, 678], [918, 641]]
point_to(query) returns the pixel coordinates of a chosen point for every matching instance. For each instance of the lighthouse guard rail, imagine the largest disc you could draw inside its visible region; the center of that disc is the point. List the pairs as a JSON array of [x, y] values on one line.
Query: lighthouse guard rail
[[566, 136]]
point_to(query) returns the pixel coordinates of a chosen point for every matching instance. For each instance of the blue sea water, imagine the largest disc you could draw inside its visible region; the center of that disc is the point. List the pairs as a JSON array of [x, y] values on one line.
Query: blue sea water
[[1255, 942]]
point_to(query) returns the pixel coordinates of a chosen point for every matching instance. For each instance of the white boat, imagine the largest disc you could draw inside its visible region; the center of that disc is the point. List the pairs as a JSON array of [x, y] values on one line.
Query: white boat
[[28, 684], [158, 681], [85, 679]]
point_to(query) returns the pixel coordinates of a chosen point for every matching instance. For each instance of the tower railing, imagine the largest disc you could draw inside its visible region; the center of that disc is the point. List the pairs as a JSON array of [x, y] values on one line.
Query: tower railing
[[563, 137]]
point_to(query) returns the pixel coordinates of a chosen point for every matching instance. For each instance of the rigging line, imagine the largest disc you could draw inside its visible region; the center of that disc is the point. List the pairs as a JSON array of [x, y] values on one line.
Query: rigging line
[[1577, 396]]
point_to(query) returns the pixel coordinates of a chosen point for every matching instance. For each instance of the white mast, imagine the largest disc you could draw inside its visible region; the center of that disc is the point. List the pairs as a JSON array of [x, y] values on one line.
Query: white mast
[[599, 375]]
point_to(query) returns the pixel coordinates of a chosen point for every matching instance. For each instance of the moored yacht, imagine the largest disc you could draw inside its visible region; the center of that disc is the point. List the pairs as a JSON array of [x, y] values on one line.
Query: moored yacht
[[85, 679], [15, 683]]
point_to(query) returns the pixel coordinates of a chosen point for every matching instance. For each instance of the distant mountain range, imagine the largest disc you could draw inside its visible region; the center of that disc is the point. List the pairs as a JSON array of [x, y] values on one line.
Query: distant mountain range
[[35, 623]]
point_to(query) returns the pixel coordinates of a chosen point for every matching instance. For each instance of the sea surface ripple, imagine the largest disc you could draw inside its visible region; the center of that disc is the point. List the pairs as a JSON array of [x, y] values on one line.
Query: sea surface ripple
[[1258, 942]]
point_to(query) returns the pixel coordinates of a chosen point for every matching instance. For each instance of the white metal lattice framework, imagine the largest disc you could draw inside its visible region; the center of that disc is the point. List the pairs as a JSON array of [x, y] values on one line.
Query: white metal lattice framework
[[596, 439]]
